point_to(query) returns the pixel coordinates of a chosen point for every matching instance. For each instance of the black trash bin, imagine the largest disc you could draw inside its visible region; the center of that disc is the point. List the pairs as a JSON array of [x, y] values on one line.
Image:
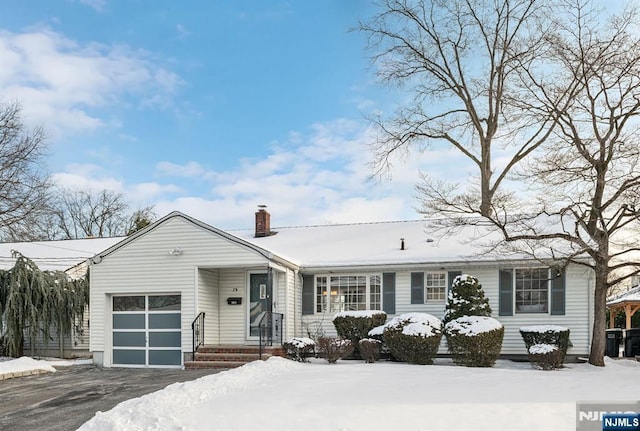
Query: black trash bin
[[632, 342], [614, 339]]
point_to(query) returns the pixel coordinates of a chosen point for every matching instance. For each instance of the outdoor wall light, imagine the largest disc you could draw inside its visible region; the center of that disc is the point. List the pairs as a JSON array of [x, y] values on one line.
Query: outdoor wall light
[[176, 251]]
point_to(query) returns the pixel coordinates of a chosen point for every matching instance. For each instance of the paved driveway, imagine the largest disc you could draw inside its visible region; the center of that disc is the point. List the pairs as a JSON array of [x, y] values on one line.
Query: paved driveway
[[68, 398]]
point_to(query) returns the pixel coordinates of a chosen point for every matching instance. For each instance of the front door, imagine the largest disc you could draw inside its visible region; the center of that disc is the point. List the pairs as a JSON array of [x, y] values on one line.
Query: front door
[[260, 301]]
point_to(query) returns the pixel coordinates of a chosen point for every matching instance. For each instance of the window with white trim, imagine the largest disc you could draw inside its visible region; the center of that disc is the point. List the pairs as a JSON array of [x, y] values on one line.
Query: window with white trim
[[335, 293], [435, 286], [532, 290]]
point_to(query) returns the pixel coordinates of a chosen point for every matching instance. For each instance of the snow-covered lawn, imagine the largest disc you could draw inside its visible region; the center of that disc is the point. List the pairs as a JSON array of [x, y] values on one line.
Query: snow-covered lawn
[[10, 367], [279, 394], [283, 395]]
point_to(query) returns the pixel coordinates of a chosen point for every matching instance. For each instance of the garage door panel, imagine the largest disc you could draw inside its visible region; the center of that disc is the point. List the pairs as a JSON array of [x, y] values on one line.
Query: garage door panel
[[129, 339], [164, 302], [164, 339], [146, 330], [129, 321], [164, 321], [165, 357], [128, 303], [129, 357]]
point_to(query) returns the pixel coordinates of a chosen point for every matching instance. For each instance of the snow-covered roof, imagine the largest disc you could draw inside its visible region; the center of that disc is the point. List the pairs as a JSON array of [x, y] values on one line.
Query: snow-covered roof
[[372, 244], [55, 255], [629, 296], [336, 245]]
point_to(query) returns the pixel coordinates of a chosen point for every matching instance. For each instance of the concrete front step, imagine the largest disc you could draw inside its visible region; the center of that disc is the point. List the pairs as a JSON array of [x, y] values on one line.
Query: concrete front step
[[230, 348], [195, 365], [230, 357]]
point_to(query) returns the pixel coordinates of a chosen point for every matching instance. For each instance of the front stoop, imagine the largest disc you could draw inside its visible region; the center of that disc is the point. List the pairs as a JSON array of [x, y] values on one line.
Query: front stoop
[[230, 356]]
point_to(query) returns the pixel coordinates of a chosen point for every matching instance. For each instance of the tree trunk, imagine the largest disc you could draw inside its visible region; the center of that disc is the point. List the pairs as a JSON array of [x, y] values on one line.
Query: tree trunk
[[61, 343], [598, 342], [486, 194]]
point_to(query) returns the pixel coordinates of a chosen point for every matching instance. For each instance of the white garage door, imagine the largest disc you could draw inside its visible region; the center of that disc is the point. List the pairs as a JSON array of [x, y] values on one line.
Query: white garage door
[[146, 331]]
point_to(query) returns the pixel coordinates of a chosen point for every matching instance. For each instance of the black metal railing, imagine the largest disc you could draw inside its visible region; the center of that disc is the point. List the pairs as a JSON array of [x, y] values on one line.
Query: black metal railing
[[197, 331], [270, 327]]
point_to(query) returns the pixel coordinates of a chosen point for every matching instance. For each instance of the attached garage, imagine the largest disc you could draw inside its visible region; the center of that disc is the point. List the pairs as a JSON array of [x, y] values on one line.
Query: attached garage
[[146, 330], [148, 289]]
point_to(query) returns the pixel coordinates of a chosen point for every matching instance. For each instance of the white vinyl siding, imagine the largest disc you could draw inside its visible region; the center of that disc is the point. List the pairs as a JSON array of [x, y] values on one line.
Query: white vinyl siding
[[144, 265], [74, 345], [208, 302], [290, 312], [577, 317]]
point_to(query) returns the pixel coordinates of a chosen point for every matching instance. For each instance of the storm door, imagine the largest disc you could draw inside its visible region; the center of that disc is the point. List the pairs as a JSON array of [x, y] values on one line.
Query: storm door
[[260, 301]]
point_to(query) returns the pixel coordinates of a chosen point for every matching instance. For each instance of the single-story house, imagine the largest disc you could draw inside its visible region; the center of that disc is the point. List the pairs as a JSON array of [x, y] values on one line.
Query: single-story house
[[71, 257], [181, 282]]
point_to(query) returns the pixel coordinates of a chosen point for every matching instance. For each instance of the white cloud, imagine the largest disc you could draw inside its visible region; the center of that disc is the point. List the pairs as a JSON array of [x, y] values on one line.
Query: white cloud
[[143, 194], [97, 5], [317, 177], [190, 169], [62, 83], [182, 31], [87, 176]]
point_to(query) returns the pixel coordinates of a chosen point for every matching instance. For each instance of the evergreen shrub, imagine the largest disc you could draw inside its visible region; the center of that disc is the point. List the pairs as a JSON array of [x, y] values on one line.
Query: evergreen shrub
[[474, 341], [466, 298], [545, 356], [413, 337], [299, 348], [355, 325], [547, 334]]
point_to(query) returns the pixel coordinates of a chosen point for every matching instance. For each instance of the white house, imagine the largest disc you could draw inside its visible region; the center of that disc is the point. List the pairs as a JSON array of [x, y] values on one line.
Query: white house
[[148, 289]]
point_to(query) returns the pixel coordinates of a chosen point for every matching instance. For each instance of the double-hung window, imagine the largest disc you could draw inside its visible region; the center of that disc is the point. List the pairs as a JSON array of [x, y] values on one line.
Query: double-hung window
[[335, 293], [435, 286], [532, 290]]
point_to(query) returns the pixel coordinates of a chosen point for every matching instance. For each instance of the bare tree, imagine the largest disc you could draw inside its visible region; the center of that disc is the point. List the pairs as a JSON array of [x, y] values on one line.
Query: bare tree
[[588, 176], [464, 61], [85, 213], [23, 179], [568, 95]]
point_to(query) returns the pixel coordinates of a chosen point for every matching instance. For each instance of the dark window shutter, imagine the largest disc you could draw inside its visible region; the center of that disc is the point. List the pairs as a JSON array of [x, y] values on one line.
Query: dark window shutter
[[451, 276], [558, 283], [389, 292], [417, 287], [505, 296], [308, 295]]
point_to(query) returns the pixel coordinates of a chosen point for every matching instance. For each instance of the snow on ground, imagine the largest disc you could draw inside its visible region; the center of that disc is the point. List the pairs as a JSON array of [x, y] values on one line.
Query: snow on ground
[[10, 367], [23, 365], [279, 394]]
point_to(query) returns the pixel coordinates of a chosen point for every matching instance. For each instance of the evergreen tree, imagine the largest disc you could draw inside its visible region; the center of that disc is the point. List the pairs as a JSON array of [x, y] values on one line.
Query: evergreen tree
[[33, 302], [466, 298]]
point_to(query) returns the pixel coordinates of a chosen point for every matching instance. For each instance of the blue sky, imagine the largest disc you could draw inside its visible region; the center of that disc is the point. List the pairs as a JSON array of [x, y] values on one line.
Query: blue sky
[[209, 107]]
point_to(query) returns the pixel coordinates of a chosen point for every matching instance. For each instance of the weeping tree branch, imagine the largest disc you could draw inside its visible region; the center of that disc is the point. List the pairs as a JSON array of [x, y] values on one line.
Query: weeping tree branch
[[32, 302]]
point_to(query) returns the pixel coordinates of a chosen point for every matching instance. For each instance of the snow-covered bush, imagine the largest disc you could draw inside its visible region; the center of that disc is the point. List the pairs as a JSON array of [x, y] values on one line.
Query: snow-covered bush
[[413, 337], [545, 356], [333, 349], [466, 298], [355, 325], [474, 341], [370, 349], [299, 348], [546, 334]]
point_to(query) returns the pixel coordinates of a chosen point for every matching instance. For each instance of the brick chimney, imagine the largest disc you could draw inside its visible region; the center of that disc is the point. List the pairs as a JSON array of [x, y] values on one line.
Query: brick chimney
[[263, 222]]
